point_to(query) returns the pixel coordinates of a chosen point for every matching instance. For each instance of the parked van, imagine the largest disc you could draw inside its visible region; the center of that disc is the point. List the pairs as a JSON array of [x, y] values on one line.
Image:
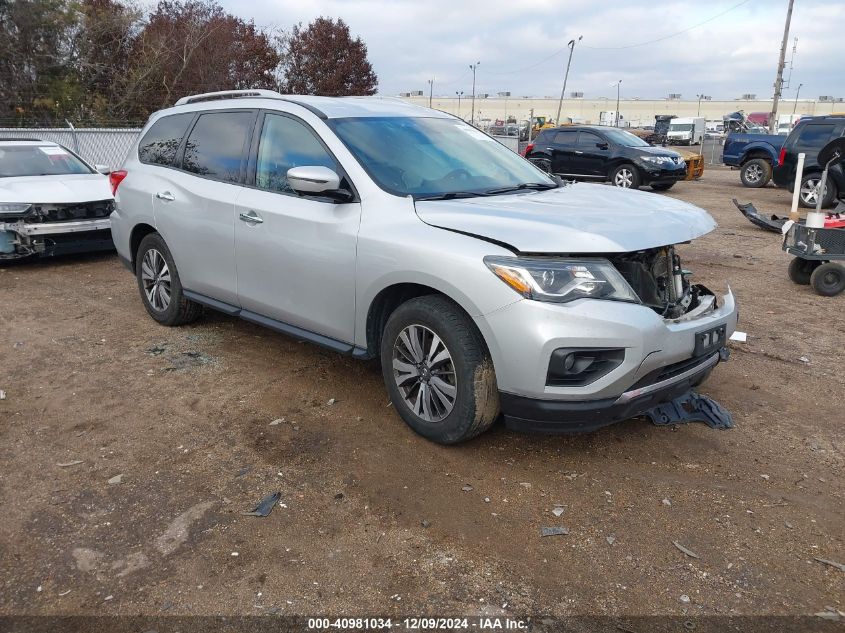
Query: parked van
[[686, 131]]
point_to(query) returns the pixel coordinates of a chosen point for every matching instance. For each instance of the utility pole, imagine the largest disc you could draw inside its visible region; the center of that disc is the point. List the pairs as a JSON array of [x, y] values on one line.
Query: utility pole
[[571, 46], [779, 77], [473, 67], [618, 84], [797, 92], [430, 91], [460, 94]]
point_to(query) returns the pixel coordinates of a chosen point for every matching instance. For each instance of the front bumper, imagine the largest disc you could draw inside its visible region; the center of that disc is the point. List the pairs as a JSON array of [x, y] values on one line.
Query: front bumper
[[25, 239], [560, 416], [653, 174], [522, 337]]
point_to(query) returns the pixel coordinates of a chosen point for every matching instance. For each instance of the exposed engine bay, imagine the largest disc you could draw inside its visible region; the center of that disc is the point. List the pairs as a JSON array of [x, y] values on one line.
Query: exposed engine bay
[[659, 280], [47, 229]]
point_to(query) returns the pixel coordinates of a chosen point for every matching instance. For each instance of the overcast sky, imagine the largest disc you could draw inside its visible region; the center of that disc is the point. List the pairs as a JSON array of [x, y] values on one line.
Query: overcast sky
[[516, 41]]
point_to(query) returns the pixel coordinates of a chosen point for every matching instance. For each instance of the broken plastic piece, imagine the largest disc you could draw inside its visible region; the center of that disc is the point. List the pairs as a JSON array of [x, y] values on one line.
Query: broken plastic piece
[[554, 531], [773, 223], [691, 407], [265, 506]]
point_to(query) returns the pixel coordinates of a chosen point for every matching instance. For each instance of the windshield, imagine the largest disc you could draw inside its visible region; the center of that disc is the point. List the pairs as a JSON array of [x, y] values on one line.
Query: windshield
[[680, 127], [39, 160], [621, 137], [427, 157]]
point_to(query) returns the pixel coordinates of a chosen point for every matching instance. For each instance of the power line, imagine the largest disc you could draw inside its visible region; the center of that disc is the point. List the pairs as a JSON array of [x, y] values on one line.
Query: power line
[[666, 37]]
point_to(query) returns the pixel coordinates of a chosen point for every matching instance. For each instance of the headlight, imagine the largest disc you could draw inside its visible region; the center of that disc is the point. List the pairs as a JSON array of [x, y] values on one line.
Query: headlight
[[13, 207], [659, 160], [561, 280]]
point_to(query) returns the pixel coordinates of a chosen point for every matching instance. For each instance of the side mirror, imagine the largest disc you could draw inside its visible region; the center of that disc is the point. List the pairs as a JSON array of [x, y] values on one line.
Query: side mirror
[[103, 169], [313, 180]]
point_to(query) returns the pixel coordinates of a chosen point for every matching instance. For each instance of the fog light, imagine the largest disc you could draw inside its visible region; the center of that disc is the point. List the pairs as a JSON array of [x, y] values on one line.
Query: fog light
[[570, 367]]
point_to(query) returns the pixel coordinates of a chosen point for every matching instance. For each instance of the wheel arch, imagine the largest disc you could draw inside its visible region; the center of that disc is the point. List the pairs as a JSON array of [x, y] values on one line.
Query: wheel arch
[[139, 232], [757, 153]]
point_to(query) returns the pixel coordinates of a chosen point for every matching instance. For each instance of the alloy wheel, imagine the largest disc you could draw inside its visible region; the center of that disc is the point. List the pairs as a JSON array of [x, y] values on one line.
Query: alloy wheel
[[753, 173], [624, 178], [155, 276], [809, 192], [425, 373]]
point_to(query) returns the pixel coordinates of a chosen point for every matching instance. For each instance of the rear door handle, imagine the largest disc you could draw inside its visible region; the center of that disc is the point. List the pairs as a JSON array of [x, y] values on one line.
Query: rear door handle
[[165, 195], [251, 217]]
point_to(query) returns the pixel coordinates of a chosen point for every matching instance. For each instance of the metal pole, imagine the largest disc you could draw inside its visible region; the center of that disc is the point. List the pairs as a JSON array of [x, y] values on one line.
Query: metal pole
[[472, 113], [796, 187], [571, 46], [619, 83], [430, 91], [797, 92], [459, 102], [699, 105], [779, 77]]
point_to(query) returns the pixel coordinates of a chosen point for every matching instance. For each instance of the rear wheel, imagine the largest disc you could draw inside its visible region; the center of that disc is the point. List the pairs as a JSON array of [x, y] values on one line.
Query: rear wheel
[[662, 186], [158, 282], [828, 279], [801, 269], [437, 370], [625, 176], [808, 194], [756, 173]]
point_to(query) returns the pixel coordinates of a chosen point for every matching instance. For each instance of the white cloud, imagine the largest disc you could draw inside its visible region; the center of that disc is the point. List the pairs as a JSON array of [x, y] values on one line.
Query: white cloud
[[412, 41]]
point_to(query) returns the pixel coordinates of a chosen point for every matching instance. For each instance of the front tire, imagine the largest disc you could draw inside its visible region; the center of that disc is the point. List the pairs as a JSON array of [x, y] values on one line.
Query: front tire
[[625, 176], [159, 285], [828, 279], [807, 195], [756, 173], [438, 371]]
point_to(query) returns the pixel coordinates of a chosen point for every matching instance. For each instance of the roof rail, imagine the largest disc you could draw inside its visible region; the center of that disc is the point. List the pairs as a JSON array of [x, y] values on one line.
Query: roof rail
[[228, 94]]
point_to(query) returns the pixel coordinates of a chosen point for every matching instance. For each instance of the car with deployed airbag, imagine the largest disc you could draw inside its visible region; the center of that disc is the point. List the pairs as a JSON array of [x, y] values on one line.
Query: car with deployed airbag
[[487, 288]]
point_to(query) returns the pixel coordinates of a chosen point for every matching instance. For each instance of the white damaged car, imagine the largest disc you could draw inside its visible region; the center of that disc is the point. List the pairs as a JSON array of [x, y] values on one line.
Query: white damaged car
[[51, 201]]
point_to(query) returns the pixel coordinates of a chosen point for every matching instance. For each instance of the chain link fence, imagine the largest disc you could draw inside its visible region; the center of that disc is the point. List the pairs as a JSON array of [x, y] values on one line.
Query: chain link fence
[[101, 146]]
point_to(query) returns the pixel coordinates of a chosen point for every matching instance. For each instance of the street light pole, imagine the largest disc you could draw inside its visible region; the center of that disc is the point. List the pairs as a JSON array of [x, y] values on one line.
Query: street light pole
[[700, 97], [571, 46], [773, 124], [473, 67], [460, 94], [795, 107], [430, 91], [618, 83]]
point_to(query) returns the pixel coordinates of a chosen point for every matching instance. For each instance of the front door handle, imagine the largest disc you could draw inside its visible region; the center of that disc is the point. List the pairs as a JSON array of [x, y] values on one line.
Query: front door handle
[[578, 151], [251, 217], [165, 195]]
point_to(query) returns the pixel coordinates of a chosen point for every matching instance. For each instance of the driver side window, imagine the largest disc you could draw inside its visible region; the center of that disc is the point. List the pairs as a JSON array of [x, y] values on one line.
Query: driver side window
[[286, 143]]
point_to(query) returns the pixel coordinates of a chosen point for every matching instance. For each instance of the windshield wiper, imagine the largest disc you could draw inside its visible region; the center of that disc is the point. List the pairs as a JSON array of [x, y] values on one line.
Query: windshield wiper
[[451, 195], [535, 186]]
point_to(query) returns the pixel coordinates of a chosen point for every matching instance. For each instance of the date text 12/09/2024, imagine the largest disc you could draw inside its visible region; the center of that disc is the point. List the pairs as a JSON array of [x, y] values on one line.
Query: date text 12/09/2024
[[418, 624]]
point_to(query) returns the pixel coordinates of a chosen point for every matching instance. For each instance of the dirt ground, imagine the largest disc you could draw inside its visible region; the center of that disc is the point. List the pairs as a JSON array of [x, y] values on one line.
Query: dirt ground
[[376, 520]]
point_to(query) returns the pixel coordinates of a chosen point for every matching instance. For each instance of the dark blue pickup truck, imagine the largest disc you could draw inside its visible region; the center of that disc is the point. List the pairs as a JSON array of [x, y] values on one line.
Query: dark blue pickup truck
[[754, 154]]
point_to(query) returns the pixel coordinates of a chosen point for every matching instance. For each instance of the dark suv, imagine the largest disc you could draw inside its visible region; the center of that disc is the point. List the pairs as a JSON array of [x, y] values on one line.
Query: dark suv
[[808, 136], [605, 153]]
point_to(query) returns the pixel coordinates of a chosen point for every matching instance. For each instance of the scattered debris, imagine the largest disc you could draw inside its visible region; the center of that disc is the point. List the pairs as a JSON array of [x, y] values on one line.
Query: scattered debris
[[466, 488], [739, 337], [117, 479], [666, 502], [830, 613], [107, 598], [486, 499], [338, 496], [832, 563], [804, 359], [265, 506], [74, 462], [425, 523], [558, 510], [686, 551], [525, 485], [685, 599], [766, 477], [2, 395], [610, 539], [331, 401], [788, 524], [554, 531], [235, 554], [156, 350], [64, 593], [277, 421]]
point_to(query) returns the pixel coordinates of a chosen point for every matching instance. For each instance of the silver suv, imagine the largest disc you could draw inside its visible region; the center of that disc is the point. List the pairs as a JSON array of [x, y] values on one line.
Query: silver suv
[[385, 230]]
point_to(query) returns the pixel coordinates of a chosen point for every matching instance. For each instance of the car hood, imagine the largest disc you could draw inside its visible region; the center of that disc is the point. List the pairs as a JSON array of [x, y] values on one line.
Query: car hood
[[579, 218], [55, 189], [658, 151]]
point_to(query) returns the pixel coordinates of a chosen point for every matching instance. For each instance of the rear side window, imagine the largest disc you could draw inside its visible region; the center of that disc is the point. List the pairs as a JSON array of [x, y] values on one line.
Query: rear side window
[[566, 138], [814, 137], [215, 147], [287, 143], [588, 139], [162, 140]]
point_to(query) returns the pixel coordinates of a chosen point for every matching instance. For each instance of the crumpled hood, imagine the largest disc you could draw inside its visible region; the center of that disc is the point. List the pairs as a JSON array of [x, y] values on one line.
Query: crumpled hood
[[579, 218], [55, 189]]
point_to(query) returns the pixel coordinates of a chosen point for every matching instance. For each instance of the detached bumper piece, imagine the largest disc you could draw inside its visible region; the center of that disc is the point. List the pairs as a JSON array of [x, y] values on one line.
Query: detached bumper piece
[[692, 407], [772, 223]]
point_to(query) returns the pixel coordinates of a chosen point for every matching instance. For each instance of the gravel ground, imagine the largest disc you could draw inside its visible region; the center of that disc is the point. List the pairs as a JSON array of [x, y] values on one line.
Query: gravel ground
[[130, 451]]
